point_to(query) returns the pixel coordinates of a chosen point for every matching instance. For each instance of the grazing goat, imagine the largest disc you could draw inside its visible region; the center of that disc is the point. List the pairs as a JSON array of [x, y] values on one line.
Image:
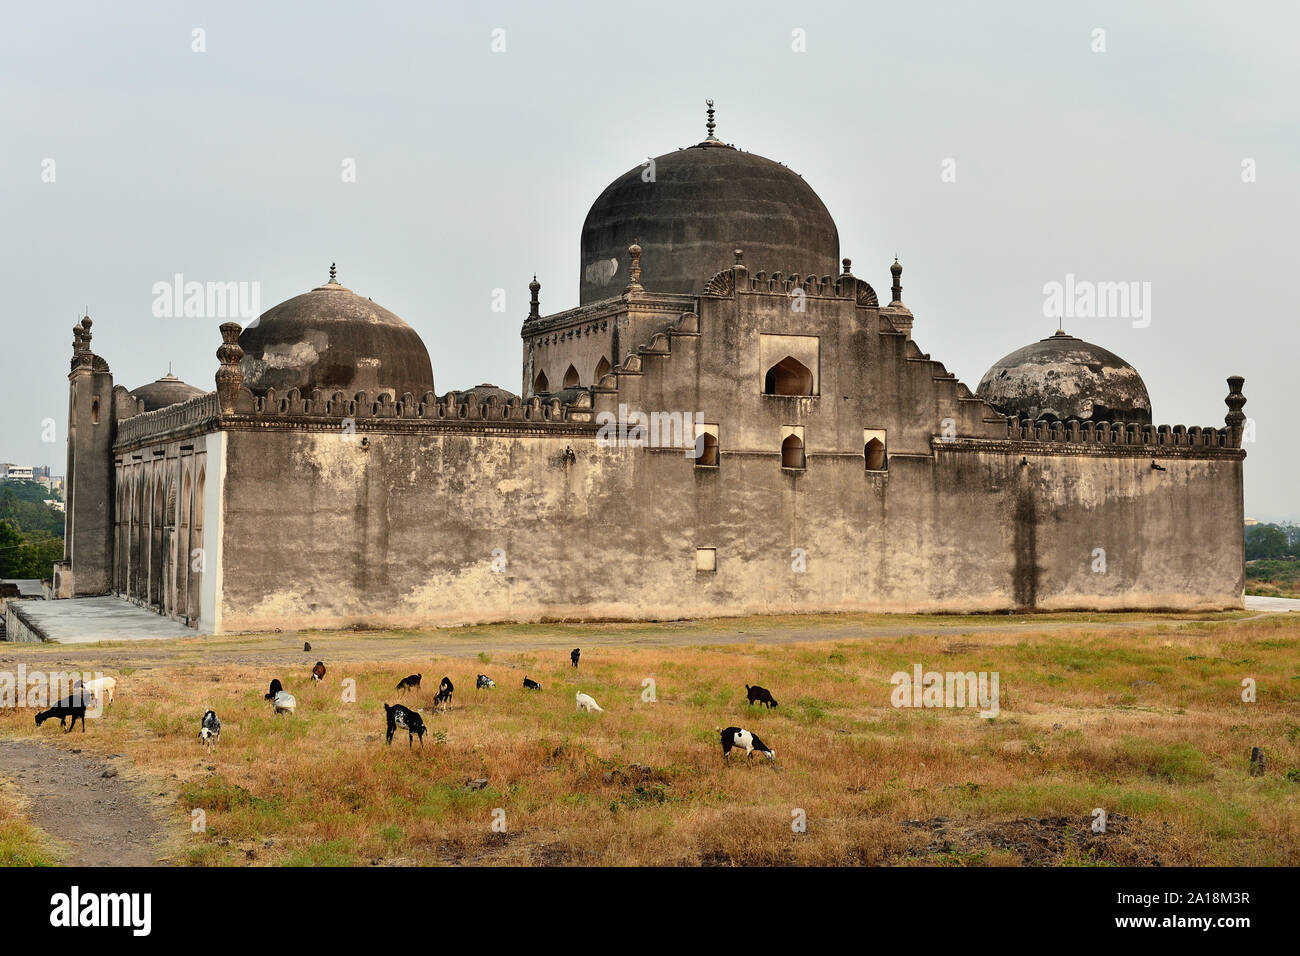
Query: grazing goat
[[399, 716], [318, 672], [210, 729], [739, 737], [484, 682], [574, 655], [406, 683], [530, 684], [101, 688], [445, 690], [70, 707], [588, 704], [284, 703], [760, 695], [306, 646], [276, 687]]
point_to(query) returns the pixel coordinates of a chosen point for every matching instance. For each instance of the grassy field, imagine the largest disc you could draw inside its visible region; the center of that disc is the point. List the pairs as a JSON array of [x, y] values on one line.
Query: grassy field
[[1147, 724], [21, 844], [1273, 578]]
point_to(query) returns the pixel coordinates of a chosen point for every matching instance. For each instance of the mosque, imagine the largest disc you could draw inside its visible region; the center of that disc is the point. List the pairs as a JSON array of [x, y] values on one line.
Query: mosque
[[730, 421]]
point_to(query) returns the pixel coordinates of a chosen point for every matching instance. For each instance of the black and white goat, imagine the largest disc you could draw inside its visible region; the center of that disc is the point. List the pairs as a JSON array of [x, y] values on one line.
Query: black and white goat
[[445, 690], [740, 737], [404, 717], [210, 729], [530, 684], [485, 683], [318, 672]]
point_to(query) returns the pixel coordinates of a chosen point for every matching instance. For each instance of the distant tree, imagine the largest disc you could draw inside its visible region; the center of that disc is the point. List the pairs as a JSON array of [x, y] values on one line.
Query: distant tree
[[1265, 541]]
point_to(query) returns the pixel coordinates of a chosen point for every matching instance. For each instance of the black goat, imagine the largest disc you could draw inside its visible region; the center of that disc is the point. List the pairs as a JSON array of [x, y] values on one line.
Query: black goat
[[406, 683], [760, 695], [445, 690], [73, 707]]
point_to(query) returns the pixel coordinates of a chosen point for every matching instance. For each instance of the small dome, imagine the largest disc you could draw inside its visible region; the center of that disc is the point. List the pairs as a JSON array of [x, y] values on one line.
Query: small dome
[[483, 393], [703, 203], [165, 391], [331, 338], [1062, 378]]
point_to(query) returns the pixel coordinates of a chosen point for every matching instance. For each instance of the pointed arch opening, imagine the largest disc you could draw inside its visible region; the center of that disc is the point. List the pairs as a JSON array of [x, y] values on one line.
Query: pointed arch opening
[[788, 377], [571, 378], [540, 384], [603, 368], [792, 455]]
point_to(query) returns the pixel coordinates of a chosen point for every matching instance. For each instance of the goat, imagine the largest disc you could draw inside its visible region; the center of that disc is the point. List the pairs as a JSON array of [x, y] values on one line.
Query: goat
[[484, 682], [399, 716], [587, 703], [284, 703], [760, 695], [530, 684], [739, 737], [318, 672], [210, 729], [445, 690], [306, 646], [407, 683], [70, 707], [276, 687], [574, 655], [102, 688]]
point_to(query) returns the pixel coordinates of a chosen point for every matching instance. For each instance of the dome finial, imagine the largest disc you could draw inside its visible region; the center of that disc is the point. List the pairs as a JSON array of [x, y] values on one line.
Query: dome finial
[[334, 276], [535, 305], [634, 272], [710, 125]]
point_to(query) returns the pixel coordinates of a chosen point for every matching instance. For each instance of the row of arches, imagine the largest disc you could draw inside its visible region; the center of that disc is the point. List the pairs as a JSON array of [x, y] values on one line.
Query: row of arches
[[159, 557], [874, 455], [572, 378]]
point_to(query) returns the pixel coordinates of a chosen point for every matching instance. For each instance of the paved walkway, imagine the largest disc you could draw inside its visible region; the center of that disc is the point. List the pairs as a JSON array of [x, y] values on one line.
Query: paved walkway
[[1271, 605], [87, 620]]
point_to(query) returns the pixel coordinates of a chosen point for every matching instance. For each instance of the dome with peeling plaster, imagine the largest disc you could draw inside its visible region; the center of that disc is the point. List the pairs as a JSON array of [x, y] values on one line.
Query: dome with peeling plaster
[[691, 209], [165, 391], [333, 339], [1062, 378]]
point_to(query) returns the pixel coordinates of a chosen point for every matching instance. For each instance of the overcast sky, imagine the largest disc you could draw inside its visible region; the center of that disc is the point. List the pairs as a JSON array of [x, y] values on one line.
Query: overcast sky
[[475, 168]]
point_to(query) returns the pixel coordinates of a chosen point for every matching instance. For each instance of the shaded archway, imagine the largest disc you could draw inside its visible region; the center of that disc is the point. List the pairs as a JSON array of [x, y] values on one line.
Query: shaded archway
[[603, 368], [571, 378], [792, 452], [874, 453], [540, 384], [788, 377]]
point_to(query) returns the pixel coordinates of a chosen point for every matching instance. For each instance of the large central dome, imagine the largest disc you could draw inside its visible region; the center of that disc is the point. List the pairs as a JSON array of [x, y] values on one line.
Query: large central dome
[[331, 338], [701, 204]]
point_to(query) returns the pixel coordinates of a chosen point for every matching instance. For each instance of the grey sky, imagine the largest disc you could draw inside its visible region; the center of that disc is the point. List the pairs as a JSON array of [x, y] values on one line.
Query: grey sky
[[475, 169]]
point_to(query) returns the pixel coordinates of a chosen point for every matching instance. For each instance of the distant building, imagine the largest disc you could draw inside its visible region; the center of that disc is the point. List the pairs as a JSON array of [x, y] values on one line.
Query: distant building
[[1251, 522], [728, 422], [17, 472]]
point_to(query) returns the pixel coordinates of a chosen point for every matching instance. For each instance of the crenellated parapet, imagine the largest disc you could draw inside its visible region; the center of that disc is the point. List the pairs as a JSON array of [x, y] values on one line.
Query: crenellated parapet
[[195, 416], [738, 278]]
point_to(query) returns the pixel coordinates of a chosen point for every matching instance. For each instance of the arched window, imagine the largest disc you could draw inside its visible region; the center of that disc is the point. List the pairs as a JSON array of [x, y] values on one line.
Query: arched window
[[788, 377], [571, 379], [541, 385], [873, 449], [94, 412], [874, 452], [792, 452], [706, 446], [603, 368]]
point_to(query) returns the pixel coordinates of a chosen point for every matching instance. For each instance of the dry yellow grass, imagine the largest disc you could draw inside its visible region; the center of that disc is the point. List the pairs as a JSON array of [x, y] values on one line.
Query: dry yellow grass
[[1147, 724]]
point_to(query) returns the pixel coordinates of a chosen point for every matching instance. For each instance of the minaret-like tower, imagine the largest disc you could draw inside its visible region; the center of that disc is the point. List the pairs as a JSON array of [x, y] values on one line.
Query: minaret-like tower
[[87, 565]]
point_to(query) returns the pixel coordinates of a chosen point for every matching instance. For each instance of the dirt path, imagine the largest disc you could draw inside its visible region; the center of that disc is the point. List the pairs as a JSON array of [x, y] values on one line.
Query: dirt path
[[341, 646], [100, 820]]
